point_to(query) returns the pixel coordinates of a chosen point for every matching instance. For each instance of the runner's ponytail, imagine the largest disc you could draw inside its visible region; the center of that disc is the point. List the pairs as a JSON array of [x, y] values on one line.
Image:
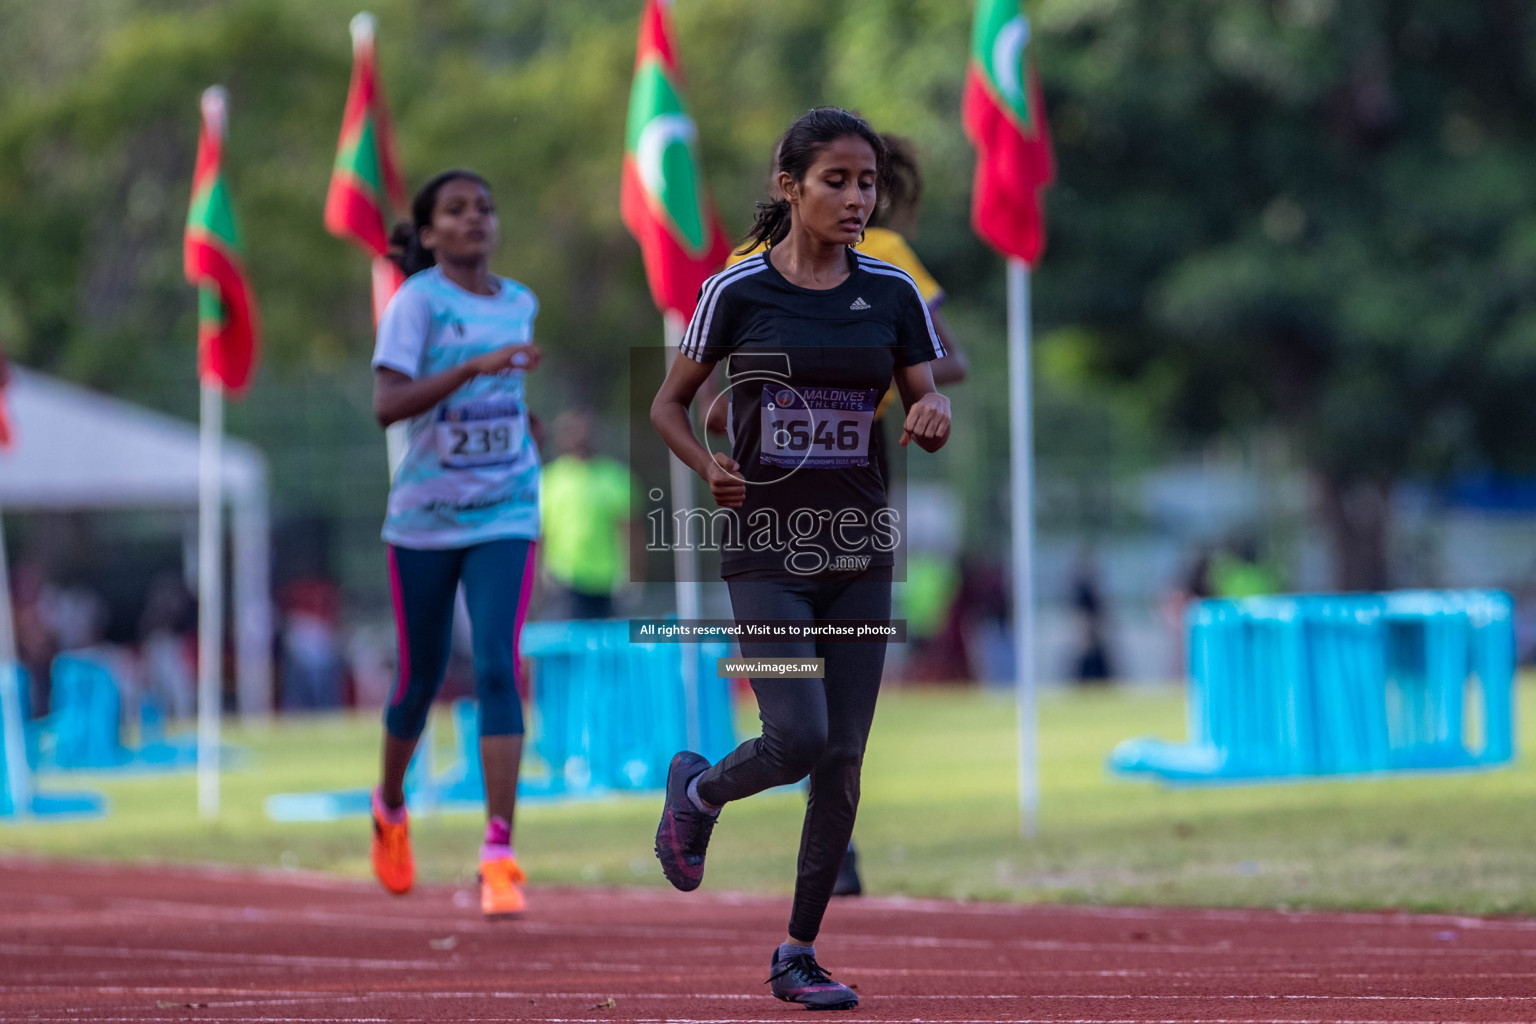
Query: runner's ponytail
[[406, 250], [770, 226]]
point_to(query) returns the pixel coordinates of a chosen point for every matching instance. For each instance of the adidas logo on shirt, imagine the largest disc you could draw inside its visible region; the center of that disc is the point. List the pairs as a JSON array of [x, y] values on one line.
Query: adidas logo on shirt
[[859, 303]]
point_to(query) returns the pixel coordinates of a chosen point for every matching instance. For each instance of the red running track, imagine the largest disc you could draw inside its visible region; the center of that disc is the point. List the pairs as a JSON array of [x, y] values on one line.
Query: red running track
[[114, 943]]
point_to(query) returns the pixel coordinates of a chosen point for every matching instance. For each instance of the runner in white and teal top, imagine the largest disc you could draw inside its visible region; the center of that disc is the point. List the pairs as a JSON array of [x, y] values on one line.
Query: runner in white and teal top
[[454, 346], [471, 471]]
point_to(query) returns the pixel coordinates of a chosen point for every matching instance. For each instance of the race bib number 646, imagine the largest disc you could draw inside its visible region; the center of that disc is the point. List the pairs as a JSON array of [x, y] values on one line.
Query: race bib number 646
[[820, 428]]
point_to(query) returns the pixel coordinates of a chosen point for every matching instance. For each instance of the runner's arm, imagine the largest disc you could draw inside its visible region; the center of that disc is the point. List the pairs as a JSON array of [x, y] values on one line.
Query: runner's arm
[[951, 367], [716, 412], [398, 396], [669, 415], [927, 420]]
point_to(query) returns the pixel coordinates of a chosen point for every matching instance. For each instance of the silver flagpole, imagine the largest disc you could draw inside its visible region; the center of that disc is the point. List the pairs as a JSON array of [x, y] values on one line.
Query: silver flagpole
[[685, 561], [210, 598], [1021, 463], [18, 772]]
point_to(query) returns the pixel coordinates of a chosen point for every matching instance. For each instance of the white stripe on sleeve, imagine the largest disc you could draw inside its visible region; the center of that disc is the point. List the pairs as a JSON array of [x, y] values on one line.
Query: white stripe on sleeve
[[697, 335], [874, 266]]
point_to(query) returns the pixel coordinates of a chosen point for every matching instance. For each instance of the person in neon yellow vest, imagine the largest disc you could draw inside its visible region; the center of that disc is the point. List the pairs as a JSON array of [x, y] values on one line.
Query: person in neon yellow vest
[[585, 507]]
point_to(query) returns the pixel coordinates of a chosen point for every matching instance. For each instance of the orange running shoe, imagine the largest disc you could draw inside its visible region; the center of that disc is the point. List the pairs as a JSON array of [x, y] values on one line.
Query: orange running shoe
[[392, 861], [501, 889]]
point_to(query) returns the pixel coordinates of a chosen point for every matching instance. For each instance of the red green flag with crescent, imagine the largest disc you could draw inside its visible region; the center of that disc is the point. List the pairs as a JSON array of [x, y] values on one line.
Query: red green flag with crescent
[[665, 203], [227, 329], [1005, 120], [366, 179]]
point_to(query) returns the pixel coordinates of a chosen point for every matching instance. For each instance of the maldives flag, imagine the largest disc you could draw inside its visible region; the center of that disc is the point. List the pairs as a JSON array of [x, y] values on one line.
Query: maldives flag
[[227, 329], [366, 175], [665, 204], [1005, 120]]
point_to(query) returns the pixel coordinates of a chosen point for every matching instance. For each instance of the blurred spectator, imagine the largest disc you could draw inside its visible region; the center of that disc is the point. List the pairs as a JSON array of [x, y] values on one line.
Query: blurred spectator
[[1091, 663], [75, 616], [1524, 594], [585, 507], [1193, 584], [1238, 571], [371, 659], [981, 621], [168, 647], [35, 644], [926, 603], [312, 670]]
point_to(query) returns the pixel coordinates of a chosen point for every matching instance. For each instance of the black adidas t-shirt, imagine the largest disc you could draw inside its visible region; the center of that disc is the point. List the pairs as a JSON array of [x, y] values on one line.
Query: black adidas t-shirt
[[805, 371]]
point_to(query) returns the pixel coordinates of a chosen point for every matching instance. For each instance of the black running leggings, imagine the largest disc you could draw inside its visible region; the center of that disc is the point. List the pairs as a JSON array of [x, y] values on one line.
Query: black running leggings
[[815, 727]]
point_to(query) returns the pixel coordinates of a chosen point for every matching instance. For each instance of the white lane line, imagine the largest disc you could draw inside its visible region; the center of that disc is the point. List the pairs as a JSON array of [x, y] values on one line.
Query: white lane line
[[209, 956], [1229, 949], [75, 978], [1235, 915], [287, 1000], [75, 986], [759, 1020], [1010, 1020], [1060, 996], [458, 923], [281, 878], [277, 877], [238, 959], [463, 925], [277, 998]]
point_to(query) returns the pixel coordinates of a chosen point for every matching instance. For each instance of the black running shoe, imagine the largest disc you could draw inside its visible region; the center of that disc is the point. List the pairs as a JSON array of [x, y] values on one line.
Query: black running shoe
[[798, 978], [848, 883], [683, 835]]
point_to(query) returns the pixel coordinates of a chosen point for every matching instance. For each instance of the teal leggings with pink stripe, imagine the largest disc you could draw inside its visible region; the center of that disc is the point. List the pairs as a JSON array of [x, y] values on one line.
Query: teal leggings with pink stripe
[[497, 577]]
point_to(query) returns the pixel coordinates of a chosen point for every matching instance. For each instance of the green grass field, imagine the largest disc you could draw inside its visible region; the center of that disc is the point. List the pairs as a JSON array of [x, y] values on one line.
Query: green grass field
[[939, 817]]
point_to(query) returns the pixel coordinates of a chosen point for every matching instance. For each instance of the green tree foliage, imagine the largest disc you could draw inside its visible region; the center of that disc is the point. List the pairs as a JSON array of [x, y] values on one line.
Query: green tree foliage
[[1317, 214], [1310, 215]]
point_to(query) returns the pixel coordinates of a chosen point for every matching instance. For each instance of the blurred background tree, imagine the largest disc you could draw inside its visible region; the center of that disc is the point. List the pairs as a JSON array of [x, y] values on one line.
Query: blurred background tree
[[1311, 219], [1312, 215]]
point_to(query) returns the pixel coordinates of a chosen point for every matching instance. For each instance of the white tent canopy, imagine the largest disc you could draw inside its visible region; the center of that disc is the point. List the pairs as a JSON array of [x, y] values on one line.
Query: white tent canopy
[[77, 449]]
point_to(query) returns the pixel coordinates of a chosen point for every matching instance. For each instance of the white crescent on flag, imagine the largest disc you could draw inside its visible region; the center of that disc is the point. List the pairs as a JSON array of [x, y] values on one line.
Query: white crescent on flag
[[1008, 59], [660, 133]]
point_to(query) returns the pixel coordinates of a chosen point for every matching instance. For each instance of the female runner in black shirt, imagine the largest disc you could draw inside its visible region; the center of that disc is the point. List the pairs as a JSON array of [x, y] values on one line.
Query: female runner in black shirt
[[813, 332]]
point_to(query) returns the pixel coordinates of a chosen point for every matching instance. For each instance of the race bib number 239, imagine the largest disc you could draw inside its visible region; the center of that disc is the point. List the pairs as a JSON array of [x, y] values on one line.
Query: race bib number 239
[[478, 434]]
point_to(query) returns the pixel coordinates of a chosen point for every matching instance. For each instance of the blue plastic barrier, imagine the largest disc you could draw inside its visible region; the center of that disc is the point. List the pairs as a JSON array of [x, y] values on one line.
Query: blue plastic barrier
[[605, 715], [1297, 686], [609, 714], [83, 729], [19, 797]]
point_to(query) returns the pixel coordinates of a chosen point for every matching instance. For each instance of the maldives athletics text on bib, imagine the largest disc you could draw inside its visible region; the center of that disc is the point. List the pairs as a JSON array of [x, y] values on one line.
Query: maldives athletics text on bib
[[479, 433], [818, 428]]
